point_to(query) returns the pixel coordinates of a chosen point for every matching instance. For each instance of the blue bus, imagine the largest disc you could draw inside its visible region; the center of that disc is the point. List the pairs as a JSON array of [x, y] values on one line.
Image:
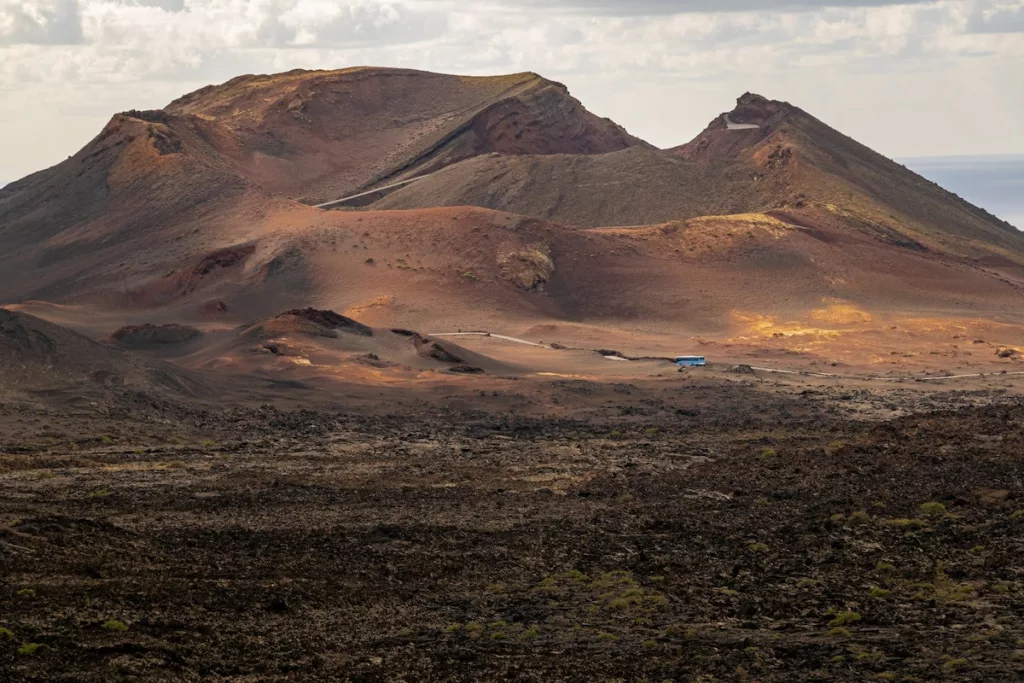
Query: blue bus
[[691, 361]]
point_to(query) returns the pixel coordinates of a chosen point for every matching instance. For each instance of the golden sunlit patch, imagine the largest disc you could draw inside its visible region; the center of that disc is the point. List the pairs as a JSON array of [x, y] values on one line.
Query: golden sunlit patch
[[839, 313], [760, 326], [360, 310]]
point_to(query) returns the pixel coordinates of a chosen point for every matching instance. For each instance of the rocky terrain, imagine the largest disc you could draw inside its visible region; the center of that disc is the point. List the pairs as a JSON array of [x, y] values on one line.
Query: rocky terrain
[[755, 537]]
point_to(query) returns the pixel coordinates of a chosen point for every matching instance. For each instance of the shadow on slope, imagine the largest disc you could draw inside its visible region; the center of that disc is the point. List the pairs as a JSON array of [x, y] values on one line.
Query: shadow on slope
[[38, 356]]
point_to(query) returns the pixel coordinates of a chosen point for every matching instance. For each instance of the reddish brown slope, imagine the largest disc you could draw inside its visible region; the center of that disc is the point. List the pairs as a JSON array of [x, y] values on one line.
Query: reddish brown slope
[[144, 168], [36, 355], [805, 162], [447, 269], [158, 188], [166, 216], [450, 269], [790, 163], [636, 186], [147, 188], [319, 135]]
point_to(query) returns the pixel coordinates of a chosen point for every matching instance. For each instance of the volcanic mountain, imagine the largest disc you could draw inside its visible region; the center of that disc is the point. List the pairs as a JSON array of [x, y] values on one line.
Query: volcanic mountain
[[321, 135], [234, 153], [489, 203], [764, 156]]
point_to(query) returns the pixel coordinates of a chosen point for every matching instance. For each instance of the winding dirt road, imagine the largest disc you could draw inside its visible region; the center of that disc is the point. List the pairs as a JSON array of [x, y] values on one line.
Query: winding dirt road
[[327, 205]]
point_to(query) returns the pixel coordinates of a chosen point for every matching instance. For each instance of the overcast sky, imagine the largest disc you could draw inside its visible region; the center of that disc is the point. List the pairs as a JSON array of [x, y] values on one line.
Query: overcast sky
[[910, 78]]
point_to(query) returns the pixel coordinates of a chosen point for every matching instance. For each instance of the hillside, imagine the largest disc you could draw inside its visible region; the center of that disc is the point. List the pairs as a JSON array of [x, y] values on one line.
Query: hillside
[[810, 163], [527, 214], [144, 168], [320, 135], [164, 189], [38, 356], [310, 135], [637, 186], [762, 156]]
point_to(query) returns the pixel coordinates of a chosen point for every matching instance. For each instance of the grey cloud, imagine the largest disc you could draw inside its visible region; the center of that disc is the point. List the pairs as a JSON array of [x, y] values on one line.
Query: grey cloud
[[353, 25], [636, 8], [999, 20], [358, 27], [169, 5], [49, 22]]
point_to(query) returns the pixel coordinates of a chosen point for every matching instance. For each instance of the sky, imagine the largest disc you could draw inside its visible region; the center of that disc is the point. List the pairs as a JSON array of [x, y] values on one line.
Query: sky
[[910, 79], [993, 182]]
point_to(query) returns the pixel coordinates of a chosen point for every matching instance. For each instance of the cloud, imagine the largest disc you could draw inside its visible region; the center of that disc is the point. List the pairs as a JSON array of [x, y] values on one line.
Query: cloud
[[635, 8], [43, 22], [325, 23], [209, 25], [1004, 17], [170, 5]]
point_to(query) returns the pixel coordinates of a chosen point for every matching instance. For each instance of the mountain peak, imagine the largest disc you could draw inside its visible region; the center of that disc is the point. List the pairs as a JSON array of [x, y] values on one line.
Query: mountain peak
[[752, 108], [314, 136], [750, 98]]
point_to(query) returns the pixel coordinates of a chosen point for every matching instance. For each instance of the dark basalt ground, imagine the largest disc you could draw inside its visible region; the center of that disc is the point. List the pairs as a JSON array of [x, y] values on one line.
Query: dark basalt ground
[[259, 545]]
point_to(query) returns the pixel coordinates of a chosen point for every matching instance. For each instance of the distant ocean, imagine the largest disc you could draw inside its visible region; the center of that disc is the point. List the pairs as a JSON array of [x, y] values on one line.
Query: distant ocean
[[995, 183]]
